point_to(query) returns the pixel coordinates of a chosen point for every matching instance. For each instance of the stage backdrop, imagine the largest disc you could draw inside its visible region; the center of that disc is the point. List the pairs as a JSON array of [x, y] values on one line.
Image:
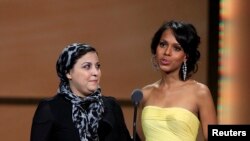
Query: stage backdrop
[[33, 33]]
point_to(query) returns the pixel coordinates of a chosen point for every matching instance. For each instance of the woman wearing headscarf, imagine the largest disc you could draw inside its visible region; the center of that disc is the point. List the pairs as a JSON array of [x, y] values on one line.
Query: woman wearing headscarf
[[79, 112]]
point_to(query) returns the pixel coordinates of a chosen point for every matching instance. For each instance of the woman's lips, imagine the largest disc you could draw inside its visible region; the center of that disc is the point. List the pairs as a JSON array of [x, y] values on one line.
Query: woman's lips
[[165, 62], [94, 81]]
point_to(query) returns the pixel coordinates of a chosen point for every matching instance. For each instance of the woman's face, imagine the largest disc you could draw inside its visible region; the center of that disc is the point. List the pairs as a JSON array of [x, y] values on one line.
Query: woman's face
[[84, 77], [169, 53]]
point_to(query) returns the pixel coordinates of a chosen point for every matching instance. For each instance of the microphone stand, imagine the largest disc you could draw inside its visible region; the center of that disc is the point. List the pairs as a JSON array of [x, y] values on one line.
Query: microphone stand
[[134, 122], [136, 98]]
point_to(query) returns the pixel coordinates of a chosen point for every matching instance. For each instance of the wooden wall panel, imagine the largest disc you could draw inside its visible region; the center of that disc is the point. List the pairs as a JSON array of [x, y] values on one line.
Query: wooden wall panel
[[33, 33]]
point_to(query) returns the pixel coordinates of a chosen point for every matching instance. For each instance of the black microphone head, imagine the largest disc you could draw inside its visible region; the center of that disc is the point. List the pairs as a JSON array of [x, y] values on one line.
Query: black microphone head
[[136, 96]]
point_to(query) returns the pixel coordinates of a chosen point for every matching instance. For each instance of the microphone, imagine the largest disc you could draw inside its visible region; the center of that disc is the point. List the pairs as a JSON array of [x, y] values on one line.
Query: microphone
[[136, 97]]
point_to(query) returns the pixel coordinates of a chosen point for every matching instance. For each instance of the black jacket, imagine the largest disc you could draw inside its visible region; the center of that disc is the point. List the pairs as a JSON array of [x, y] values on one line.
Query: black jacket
[[53, 122]]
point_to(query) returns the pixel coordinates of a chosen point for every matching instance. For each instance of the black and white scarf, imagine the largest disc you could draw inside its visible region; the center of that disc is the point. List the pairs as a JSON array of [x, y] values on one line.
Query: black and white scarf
[[86, 112]]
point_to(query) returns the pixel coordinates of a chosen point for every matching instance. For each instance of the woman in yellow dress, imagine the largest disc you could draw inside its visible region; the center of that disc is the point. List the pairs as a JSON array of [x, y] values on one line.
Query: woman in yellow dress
[[174, 107]]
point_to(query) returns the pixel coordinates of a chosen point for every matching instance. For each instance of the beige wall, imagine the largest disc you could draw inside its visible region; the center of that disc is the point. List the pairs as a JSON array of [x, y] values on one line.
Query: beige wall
[[33, 34]]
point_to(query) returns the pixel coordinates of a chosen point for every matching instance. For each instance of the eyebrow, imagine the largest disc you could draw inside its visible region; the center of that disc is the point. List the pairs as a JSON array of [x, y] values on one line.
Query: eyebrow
[[83, 63], [89, 63], [163, 40]]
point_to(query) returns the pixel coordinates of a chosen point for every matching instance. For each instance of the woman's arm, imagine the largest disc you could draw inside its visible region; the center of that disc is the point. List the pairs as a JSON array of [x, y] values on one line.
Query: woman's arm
[[42, 123], [119, 126], [207, 111]]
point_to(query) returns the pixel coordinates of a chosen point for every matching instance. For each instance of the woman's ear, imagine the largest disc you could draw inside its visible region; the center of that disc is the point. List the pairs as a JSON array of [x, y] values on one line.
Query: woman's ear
[[68, 75], [186, 58]]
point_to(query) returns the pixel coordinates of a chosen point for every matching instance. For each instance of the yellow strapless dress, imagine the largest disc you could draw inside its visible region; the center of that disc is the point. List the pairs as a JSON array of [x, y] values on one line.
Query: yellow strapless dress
[[169, 124]]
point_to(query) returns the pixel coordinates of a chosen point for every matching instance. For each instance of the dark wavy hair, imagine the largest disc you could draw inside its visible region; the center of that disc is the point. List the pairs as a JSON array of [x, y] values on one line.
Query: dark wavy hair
[[186, 35]]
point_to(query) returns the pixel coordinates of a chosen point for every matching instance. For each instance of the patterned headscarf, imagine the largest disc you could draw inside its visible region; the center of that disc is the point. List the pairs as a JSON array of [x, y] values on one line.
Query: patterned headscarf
[[86, 111]]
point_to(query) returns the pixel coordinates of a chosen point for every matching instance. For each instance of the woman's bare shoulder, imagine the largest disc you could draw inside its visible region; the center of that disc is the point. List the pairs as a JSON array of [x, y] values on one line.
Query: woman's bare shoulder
[[147, 90], [201, 89]]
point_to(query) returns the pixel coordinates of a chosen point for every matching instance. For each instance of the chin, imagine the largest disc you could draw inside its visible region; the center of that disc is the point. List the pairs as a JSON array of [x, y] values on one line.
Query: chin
[[166, 67], [93, 89]]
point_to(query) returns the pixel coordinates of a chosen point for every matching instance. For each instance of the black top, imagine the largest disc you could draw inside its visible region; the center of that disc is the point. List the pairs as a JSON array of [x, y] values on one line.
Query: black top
[[53, 121]]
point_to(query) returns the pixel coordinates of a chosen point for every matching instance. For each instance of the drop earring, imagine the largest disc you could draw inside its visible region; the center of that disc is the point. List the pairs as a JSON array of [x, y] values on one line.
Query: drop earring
[[184, 70], [155, 65]]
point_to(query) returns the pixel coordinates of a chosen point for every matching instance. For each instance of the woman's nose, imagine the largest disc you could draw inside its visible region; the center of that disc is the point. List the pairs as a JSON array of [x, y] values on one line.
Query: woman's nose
[[168, 51], [95, 71]]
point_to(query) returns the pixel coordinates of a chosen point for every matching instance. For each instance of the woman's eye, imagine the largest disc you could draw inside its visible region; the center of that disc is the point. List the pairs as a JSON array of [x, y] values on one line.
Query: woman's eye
[[86, 66], [177, 48], [98, 66], [162, 44]]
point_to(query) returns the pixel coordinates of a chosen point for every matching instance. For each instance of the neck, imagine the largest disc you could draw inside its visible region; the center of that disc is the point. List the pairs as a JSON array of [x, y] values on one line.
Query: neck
[[170, 80]]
